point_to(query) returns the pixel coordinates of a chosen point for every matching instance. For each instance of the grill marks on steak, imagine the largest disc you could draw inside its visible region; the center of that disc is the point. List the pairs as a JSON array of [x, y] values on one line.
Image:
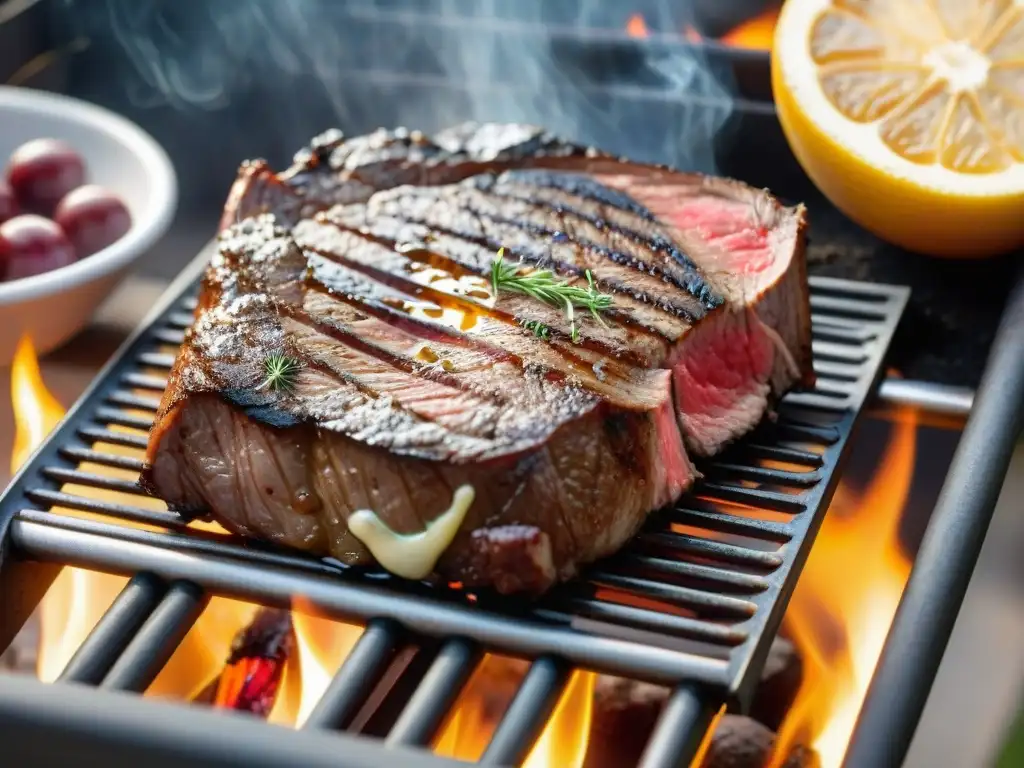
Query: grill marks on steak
[[415, 380], [544, 237], [463, 398], [334, 169], [434, 291]]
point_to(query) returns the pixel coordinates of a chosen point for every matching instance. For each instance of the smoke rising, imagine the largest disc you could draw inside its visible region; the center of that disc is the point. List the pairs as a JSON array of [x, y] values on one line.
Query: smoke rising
[[286, 69]]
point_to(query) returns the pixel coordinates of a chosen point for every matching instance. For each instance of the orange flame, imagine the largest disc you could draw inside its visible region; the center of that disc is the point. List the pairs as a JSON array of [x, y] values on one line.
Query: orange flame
[[67, 613], [756, 33], [636, 26], [78, 597], [36, 411], [321, 645], [845, 601], [562, 743]]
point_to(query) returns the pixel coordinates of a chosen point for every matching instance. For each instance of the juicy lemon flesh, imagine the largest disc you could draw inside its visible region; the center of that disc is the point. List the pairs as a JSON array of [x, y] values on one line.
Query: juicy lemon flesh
[[909, 116]]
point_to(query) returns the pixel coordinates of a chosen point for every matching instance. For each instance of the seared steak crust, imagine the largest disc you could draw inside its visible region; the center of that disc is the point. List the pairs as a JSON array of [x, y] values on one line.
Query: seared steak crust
[[367, 263]]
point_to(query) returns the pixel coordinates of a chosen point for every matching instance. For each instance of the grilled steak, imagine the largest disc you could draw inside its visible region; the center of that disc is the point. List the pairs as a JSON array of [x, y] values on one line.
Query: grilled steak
[[367, 263]]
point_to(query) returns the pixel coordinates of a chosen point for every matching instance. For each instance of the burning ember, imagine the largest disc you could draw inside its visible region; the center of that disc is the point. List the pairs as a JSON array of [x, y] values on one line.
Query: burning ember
[[253, 672]]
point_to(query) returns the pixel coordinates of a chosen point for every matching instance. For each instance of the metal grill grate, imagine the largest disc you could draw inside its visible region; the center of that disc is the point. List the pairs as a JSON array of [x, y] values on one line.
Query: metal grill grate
[[693, 602]]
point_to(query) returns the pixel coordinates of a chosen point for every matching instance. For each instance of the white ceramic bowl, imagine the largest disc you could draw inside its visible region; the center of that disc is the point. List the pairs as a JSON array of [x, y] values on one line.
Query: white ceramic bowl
[[119, 155]]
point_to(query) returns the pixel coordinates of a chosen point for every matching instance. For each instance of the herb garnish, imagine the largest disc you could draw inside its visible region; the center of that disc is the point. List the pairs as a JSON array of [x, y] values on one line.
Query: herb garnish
[[281, 371], [538, 328], [542, 285]]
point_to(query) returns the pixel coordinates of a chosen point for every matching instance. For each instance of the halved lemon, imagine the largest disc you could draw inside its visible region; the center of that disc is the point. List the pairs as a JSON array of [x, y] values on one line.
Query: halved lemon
[[909, 116]]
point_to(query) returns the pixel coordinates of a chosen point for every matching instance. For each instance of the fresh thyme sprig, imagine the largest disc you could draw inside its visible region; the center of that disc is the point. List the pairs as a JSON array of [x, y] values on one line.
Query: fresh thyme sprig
[[281, 371], [542, 285]]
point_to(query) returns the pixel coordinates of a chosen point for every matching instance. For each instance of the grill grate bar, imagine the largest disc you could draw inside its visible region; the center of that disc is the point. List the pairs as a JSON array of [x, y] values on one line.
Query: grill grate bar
[[823, 329], [840, 353], [725, 523], [699, 600], [840, 371], [78, 477], [435, 695], [754, 497], [87, 455], [760, 474], [180, 319], [145, 381], [833, 387], [130, 400], [791, 428], [652, 621], [679, 731], [705, 573], [529, 710], [122, 419], [156, 360], [527, 636], [849, 308], [100, 435], [112, 633], [731, 553], [130, 514], [196, 543], [169, 336], [357, 677], [821, 401], [157, 640], [782, 454]]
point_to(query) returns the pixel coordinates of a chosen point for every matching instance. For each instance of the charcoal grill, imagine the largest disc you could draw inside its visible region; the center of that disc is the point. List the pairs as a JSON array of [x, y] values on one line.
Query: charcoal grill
[[719, 567]]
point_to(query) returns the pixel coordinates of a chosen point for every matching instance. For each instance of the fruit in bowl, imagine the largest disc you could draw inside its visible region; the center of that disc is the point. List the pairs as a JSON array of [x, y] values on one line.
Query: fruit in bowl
[[8, 202], [40, 172], [83, 194], [65, 218], [92, 217], [31, 244]]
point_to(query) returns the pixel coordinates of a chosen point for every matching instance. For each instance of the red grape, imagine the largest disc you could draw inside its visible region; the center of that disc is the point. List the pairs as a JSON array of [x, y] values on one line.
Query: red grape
[[8, 203], [31, 245], [93, 218], [42, 171]]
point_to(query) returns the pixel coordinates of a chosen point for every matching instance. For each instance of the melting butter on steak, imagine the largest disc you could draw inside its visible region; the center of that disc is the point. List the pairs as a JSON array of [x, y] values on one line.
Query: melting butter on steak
[[367, 262]]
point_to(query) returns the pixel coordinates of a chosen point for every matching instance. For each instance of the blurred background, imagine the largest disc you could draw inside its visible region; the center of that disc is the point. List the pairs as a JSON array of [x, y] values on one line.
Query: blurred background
[[217, 82]]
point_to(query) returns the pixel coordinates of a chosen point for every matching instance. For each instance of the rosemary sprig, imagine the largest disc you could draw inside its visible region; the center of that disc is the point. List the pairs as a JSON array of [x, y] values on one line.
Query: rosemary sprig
[[281, 371], [538, 328], [542, 285]]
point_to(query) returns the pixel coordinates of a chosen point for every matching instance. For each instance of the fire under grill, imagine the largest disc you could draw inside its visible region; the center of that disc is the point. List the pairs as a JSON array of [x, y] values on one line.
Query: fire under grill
[[693, 602]]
